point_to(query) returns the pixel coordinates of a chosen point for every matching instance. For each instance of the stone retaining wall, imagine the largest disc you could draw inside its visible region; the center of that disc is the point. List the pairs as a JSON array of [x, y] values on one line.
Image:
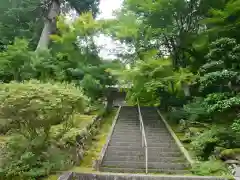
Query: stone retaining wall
[[108, 176]]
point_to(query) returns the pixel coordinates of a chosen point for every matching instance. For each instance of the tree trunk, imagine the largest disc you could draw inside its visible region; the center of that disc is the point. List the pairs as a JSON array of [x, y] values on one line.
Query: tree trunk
[[49, 25]]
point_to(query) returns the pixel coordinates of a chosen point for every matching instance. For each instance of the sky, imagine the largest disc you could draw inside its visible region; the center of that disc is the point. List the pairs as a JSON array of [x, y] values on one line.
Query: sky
[[107, 8]]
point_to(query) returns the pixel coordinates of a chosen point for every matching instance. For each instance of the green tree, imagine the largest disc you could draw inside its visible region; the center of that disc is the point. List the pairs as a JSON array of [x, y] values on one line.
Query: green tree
[[225, 22], [53, 10], [20, 19]]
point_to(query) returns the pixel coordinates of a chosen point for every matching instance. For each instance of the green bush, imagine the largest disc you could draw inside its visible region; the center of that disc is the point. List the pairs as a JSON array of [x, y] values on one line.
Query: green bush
[[196, 110], [30, 160], [205, 144], [33, 106], [236, 126], [212, 167], [177, 114], [92, 87], [15, 62]]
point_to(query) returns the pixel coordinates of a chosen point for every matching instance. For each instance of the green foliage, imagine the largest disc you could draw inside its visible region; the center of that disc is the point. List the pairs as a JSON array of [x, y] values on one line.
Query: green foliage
[[147, 77], [78, 59], [196, 111], [212, 167], [32, 159], [33, 151], [154, 81], [20, 19], [33, 107], [226, 104], [222, 65], [236, 126], [172, 55], [16, 62], [91, 86], [212, 66], [204, 144], [175, 56], [230, 154], [218, 78], [84, 6], [212, 99], [19, 63], [225, 21], [25, 18], [73, 55], [176, 115]]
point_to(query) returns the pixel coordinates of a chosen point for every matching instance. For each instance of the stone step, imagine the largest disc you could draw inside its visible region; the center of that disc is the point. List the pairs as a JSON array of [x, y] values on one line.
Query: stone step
[[141, 158], [138, 151], [134, 134], [127, 117], [139, 139], [133, 170], [121, 143], [112, 176], [139, 145], [129, 121], [127, 125], [149, 120], [139, 165], [127, 128]]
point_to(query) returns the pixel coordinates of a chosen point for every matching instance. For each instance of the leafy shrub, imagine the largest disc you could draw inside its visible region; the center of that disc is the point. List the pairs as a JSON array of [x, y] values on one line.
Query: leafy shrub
[[225, 105], [177, 114], [212, 167], [196, 110], [32, 159], [213, 98], [5, 126], [217, 78], [205, 144], [236, 126], [212, 66], [15, 62], [91, 87], [34, 107]]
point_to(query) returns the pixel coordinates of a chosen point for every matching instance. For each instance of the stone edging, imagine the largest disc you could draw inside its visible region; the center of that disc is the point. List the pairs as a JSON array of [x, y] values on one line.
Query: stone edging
[[121, 176], [237, 173], [66, 176], [178, 142], [103, 151]]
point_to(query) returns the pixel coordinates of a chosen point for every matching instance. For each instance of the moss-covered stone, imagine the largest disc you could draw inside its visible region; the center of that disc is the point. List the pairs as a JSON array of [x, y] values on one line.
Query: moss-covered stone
[[230, 154]]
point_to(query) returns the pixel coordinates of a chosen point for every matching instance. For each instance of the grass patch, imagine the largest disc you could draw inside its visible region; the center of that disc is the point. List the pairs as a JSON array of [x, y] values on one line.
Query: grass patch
[[52, 177]]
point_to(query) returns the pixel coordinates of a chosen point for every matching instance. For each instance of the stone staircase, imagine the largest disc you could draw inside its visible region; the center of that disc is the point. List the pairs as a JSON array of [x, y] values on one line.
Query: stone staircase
[[125, 152]]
